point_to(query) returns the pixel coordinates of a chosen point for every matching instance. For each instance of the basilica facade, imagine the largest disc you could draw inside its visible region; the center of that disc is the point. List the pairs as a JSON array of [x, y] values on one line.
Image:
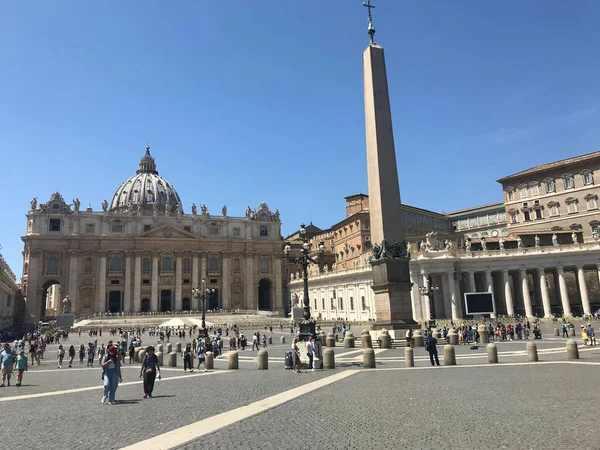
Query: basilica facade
[[142, 253]]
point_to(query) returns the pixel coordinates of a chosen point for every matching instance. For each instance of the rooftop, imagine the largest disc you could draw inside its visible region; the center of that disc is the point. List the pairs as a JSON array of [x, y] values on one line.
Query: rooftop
[[475, 208], [552, 165]]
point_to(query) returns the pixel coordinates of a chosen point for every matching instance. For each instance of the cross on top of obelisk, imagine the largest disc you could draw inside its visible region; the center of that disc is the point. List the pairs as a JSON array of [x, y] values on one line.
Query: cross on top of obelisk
[[371, 28]]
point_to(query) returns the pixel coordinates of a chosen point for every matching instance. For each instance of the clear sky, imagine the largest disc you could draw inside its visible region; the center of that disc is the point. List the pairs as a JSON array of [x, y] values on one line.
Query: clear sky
[[244, 101]]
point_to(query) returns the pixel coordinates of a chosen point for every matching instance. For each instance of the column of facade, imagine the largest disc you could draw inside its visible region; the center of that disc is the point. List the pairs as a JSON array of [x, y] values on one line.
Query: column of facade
[[508, 298], [154, 295], [137, 283], [585, 300], [226, 282], [195, 268], [73, 284], [101, 300], [203, 257], [250, 287], [127, 301], [525, 292], [32, 290], [178, 282], [545, 294], [446, 297], [278, 300]]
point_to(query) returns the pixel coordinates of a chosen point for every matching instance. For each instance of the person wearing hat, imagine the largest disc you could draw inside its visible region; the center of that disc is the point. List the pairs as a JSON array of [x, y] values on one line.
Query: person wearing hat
[[149, 370], [111, 374]]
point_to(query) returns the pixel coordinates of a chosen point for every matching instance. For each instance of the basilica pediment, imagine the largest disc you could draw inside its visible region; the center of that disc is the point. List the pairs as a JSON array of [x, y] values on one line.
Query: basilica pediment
[[167, 232]]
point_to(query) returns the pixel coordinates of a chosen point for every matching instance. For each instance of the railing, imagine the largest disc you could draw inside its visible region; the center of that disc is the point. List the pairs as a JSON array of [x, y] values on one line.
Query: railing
[[173, 313]]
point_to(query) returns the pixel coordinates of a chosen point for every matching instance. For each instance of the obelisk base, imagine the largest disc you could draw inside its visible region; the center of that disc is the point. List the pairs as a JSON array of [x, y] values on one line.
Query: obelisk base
[[392, 288]]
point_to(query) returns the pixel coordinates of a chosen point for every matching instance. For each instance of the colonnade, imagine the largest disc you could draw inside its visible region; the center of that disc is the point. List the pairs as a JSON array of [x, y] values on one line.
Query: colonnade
[[511, 287]]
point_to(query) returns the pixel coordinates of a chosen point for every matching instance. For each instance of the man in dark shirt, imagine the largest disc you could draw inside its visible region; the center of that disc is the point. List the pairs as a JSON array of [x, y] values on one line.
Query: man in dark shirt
[[431, 347]]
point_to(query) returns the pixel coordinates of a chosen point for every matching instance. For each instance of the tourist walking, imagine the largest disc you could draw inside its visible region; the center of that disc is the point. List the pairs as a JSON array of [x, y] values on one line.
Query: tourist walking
[[431, 347], [81, 355], [91, 352], [111, 374], [310, 348], [296, 355], [60, 355], [101, 352], [7, 361], [71, 355], [149, 370], [21, 366], [201, 350], [187, 358]]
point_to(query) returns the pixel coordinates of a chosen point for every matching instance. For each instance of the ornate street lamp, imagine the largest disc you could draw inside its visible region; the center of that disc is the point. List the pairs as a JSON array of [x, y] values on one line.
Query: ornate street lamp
[[203, 294], [429, 291], [307, 326]]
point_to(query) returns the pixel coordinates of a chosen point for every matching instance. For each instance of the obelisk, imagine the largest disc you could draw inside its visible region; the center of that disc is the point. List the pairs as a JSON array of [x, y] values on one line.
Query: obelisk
[[390, 256]]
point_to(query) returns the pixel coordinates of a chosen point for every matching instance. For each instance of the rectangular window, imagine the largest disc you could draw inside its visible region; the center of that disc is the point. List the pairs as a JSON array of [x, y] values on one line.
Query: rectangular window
[[526, 216], [553, 210], [539, 214], [588, 179], [524, 192], [90, 228], [54, 225], [115, 281], [332, 304], [213, 231], [535, 190], [572, 207], [145, 281], [351, 303], [116, 228], [323, 304], [569, 183], [264, 230], [188, 229], [363, 303], [146, 266], [147, 227], [186, 281], [511, 196], [550, 186], [236, 231], [592, 203], [341, 304]]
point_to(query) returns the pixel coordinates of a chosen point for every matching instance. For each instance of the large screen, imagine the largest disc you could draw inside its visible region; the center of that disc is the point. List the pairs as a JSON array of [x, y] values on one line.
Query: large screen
[[479, 303]]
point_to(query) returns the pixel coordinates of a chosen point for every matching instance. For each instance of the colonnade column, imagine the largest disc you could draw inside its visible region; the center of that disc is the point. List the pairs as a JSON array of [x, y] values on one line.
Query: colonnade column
[[510, 310], [154, 294], [471, 282], [585, 300], [415, 298], [127, 302], [101, 300], [73, 294], [226, 282], [195, 268], [525, 292], [137, 283], [564, 293], [455, 305], [277, 303], [178, 282], [545, 294], [427, 305], [203, 267], [489, 284]]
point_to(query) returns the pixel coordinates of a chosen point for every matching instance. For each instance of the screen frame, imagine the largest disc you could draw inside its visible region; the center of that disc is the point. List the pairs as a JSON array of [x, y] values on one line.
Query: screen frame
[[468, 313]]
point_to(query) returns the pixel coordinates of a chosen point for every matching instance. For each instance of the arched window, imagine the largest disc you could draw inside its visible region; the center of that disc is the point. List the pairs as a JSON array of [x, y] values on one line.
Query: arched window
[[53, 265], [186, 266], [115, 264], [167, 264], [87, 266], [212, 264], [264, 265], [146, 266]]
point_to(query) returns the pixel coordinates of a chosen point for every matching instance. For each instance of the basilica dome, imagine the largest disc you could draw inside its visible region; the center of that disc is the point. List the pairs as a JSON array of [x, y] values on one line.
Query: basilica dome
[[146, 191]]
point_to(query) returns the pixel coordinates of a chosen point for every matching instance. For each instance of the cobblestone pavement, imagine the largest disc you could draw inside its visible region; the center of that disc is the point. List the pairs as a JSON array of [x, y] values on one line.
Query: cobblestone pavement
[[513, 404]]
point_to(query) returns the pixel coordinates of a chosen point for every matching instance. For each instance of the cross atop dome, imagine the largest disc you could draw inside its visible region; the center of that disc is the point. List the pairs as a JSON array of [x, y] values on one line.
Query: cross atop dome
[[147, 164]]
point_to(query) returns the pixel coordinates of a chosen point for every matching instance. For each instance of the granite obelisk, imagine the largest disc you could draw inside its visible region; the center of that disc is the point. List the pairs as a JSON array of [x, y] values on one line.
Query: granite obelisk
[[390, 255]]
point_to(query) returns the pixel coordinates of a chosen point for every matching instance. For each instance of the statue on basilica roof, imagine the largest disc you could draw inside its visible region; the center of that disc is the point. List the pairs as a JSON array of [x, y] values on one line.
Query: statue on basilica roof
[[224, 210], [204, 210], [104, 205], [194, 210], [76, 204], [33, 203]]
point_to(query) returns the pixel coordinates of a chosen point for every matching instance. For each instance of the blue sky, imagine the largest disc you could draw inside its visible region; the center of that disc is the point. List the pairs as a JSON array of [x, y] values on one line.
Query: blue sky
[[244, 101]]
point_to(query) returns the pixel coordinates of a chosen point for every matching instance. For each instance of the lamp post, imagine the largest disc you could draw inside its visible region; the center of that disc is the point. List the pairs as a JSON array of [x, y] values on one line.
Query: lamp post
[[429, 292], [307, 326], [203, 293]]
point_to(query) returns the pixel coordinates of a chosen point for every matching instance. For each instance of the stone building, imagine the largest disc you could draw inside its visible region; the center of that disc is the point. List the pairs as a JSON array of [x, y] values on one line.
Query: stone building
[[142, 253], [9, 294], [537, 251]]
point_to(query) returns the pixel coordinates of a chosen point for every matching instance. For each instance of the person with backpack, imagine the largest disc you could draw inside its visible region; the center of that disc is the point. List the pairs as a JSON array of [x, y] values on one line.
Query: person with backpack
[[149, 370], [60, 355], [71, 355], [431, 347]]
